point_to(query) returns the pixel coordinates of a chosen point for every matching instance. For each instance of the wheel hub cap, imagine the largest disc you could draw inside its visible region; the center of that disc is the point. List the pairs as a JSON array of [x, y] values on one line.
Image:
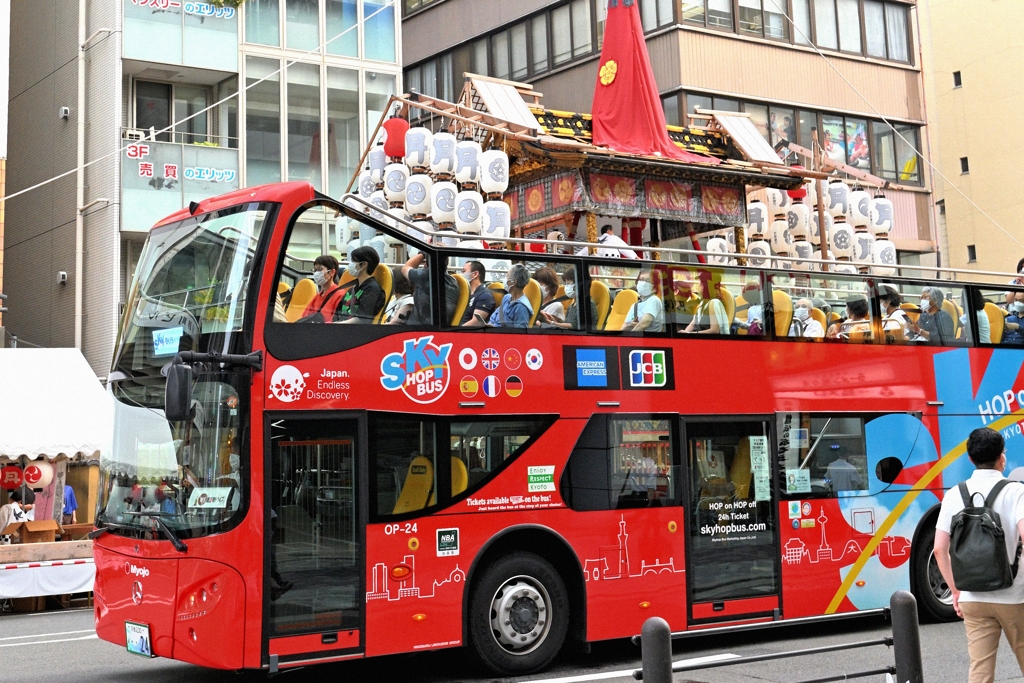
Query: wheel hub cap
[[940, 589], [520, 615]]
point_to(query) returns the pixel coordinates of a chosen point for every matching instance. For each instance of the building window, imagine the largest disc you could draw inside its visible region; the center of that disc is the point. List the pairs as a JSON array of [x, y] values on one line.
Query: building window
[[304, 123], [825, 24], [342, 128], [582, 38], [957, 80], [188, 102], [670, 105], [414, 5], [159, 105], [539, 27], [720, 14], [964, 166], [302, 24], [379, 30], [262, 121], [153, 108], [972, 253], [896, 32], [262, 19], [874, 28], [802, 22], [693, 10], [848, 17], [655, 13], [379, 89], [342, 34]]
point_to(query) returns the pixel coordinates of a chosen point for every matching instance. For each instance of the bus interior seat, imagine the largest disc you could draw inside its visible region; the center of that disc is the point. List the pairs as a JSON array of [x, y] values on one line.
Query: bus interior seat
[[740, 473], [283, 287], [912, 311], [418, 488], [729, 301], [346, 278], [602, 302], [783, 312], [624, 301], [534, 294], [740, 307], [819, 315], [950, 308], [460, 479], [302, 294], [460, 305], [382, 274], [996, 322], [498, 290], [894, 335]]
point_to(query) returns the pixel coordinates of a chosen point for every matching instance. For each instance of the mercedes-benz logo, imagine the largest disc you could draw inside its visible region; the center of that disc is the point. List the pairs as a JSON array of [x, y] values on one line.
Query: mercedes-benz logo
[[137, 593]]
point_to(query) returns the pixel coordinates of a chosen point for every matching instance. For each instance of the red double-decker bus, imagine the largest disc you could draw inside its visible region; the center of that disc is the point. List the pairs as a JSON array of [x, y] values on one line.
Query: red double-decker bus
[[290, 486]]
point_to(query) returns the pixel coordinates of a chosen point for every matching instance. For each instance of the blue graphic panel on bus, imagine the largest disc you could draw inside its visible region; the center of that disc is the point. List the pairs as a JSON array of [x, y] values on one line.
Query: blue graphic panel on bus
[[591, 367]]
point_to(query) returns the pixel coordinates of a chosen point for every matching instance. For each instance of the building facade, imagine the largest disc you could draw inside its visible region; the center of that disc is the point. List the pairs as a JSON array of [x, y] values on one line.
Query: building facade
[[772, 59], [171, 118], [973, 90]]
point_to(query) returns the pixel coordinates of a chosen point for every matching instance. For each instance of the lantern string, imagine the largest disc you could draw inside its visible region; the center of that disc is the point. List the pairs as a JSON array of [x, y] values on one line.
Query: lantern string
[[317, 49], [907, 142]]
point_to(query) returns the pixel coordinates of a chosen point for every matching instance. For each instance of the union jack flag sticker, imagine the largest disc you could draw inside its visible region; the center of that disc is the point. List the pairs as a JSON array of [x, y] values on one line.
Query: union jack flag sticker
[[490, 359]]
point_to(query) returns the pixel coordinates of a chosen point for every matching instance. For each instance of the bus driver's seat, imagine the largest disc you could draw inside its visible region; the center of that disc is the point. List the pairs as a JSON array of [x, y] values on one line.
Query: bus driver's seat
[[418, 488]]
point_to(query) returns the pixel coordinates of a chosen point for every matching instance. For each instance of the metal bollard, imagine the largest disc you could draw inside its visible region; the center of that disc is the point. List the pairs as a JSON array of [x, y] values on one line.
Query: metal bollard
[[656, 651], [906, 638]]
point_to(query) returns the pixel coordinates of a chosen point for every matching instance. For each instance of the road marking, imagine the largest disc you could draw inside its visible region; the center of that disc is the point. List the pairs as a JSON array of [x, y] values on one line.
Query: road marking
[[48, 642], [628, 673], [47, 635]]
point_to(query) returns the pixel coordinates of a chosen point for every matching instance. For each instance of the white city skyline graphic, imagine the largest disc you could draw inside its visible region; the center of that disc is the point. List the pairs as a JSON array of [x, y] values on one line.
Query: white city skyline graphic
[[614, 562], [796, 550], [384, 589]]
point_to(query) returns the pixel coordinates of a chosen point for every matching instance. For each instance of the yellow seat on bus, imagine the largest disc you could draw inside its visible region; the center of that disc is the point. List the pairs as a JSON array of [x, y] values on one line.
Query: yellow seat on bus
[[624, 301], [460, 305], [302, 294], [418, 488], [283, 287], [729, 302], [460, 479], [740, 472], [783, 312], [498, 290], [602, 302], [996, 322], [382, 274], [533, 292], [819, 315]]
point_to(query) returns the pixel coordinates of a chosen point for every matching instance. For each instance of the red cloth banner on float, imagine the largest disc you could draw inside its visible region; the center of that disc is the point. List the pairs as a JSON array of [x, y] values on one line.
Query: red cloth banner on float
[[627, 113]]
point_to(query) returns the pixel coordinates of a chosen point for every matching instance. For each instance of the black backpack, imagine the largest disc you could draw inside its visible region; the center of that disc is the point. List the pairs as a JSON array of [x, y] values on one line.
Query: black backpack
[[977, 548]]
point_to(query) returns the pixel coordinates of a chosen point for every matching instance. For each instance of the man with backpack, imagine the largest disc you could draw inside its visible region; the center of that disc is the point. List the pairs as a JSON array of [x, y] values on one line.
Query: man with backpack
[[976, 547]]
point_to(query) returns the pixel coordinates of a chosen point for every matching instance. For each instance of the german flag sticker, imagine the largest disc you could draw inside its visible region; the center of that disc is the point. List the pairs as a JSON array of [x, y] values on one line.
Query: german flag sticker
[[513, 386], [468, 386]]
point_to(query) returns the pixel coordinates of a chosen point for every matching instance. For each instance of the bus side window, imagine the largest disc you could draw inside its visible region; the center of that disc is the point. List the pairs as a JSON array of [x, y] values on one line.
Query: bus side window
[[404, 469], [822, 455]]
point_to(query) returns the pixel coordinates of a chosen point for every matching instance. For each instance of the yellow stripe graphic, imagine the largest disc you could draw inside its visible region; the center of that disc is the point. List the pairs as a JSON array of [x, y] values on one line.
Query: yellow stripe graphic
[[902, 506]]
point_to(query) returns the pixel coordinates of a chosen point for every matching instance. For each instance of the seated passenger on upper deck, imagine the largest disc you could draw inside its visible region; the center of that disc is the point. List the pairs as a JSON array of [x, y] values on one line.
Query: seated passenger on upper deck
[[481, 299], [572, 314], [551, 308], [321, 308], [364, 299], [710, 316], [934, 325], [400, 307], [858, 319], [647, 314], [804, 326], [515, 309], [1014, 321]]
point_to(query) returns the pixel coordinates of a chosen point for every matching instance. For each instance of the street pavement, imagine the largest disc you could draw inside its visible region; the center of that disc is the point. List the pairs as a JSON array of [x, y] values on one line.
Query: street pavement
[[62, 646]]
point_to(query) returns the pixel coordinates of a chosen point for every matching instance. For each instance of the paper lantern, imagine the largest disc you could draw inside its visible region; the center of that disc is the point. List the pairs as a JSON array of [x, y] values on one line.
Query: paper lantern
[[394, 142], [860, 202], [419, 149], [782, 241], [759, 253], [377, 159], [812, 194], [417, 195], [470, 244], [798, 217], [397, 212], [395, 178], [11, 477], [352, 246], [443, 160], [757, 219], [718, 248], [815, 237], [730, 237], [880, 216], [423, 234], [802, 249], [883, 253], [841, 240], [447, 241], [497, 220], [467, 161], [379, 245], [38, 474], [366, 185], [469, 209], [493, 172], [366, 233], [838, 200], [778, 201], [863, 242], [379, 200], [830, 257], [799, 193], [442, 201], [844, 268]]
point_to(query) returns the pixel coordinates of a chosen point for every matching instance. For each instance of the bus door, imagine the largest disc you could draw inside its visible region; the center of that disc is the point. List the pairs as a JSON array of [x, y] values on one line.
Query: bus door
[[314, 542], [732, 559]]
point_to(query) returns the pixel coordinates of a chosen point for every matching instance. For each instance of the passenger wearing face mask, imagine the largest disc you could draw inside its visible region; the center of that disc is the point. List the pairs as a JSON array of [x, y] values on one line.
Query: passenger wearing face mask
[[365, 299], [1016, 282], [550, 309], [933, 326], [1015, 320], [984, 325], [321, 308], [481, 300], [647, 314], [894, 318], [804, 326], [572, 314], [515, 309]]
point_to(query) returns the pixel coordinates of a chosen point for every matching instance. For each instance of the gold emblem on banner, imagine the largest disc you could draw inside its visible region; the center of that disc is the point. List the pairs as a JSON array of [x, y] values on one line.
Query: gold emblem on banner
[[608, 71]]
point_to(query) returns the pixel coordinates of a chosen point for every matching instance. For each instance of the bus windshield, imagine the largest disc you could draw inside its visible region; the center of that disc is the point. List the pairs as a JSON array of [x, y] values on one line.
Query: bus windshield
[[188, 294]]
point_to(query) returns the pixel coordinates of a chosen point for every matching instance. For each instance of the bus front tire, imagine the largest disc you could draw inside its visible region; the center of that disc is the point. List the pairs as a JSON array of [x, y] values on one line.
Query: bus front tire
[[519, 614], [934, 598]]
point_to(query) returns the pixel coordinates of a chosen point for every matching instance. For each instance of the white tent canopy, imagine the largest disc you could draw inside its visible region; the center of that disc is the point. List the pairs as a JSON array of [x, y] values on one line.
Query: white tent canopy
[[52, 406]]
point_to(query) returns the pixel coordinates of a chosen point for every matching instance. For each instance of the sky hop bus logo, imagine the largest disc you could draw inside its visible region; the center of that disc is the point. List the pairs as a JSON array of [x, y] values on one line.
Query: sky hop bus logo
[[420, 370], [647, 368]]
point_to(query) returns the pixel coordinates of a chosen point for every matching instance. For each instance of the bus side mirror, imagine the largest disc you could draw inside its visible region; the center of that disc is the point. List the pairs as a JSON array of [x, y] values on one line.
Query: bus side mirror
[[178, 393]]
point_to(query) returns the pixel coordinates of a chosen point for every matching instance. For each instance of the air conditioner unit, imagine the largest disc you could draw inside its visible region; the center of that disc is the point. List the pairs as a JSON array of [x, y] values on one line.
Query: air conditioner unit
[[134, 134]]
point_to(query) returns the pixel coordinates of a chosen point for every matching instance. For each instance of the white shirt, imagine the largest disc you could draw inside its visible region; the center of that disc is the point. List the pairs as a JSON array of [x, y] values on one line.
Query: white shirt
[[811, 329], [614, 247], [1010, 507], [652, 305]]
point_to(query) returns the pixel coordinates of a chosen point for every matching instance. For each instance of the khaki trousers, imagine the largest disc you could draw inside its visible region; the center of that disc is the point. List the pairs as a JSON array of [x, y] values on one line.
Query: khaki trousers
[[985, 621]]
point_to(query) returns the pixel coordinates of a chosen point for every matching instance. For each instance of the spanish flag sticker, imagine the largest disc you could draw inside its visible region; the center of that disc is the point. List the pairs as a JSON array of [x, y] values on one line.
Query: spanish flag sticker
[[468, 386], [513, 386]]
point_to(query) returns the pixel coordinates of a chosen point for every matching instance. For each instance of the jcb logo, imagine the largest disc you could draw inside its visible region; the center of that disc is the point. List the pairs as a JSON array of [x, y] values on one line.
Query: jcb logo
[[647, 368]]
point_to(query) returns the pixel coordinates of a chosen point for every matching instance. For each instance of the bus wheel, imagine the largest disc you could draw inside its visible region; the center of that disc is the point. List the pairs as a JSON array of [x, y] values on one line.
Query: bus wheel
[[519, 614], [933, 594]]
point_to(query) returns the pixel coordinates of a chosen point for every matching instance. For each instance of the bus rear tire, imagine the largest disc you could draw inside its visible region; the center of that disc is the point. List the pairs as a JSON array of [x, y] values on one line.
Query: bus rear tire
[[518, 614], [934, 598]]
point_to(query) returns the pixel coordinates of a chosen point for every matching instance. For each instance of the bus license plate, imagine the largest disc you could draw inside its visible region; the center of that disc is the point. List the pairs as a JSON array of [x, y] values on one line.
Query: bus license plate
[[136, 638]]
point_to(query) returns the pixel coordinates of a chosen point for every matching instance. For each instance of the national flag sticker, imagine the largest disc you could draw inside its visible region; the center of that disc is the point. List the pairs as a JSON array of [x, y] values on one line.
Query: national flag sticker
[[492, 386], [534, 359], [469, 386], [513, 359], [513, 386], [490, 359]]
